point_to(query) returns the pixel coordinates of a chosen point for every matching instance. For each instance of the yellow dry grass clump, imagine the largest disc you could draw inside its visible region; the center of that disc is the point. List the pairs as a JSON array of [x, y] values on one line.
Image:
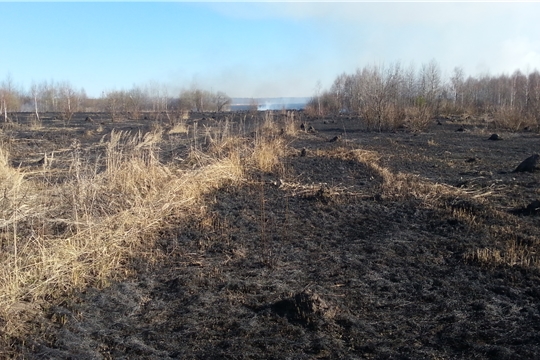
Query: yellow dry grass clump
[[57, 237]]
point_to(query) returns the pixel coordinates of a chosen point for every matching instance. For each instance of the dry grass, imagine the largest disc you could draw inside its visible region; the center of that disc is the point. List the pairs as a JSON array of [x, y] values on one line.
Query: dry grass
[[470, 208], [396, 186], [107, 210], [56, 238], [35, 122], [514, 254], [512, 119], [179, 128], [290, 124], [267, 153]]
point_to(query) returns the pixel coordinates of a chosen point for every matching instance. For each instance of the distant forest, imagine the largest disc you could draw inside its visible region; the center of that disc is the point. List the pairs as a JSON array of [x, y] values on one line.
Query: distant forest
[[62, 97], [387, 96], [384, 97]]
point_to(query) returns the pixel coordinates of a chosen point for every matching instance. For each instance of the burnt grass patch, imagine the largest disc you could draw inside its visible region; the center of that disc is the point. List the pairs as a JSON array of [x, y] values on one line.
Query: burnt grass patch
[[314, 260]]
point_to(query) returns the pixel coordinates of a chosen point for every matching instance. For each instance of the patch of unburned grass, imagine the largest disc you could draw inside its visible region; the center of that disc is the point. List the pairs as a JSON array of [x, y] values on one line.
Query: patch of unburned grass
[[179, 128], [513, 254], [267, 153], [84, 231]]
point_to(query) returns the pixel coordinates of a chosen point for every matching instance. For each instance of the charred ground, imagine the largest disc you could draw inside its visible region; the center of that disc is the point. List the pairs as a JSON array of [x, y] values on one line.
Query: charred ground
[[395, 245]]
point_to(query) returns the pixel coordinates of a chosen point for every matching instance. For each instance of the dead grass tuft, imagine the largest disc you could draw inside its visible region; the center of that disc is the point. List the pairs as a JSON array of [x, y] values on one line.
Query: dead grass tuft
[[84, 231], [267, 153], [514, 254], [512, 119], [418, 117], [179, 128], [396, 185]]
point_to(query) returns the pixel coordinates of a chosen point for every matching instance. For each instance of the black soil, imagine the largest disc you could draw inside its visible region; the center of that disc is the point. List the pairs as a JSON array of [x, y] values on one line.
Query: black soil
[[315, 262]]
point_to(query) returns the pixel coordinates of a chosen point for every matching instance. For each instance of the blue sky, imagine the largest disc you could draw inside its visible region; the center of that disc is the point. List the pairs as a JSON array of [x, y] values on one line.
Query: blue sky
[[256, 49]]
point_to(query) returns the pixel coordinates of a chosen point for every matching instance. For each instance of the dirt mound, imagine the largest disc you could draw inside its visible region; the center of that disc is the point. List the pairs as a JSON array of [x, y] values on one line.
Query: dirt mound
[[532, 209], [529, 164], [305, 308]]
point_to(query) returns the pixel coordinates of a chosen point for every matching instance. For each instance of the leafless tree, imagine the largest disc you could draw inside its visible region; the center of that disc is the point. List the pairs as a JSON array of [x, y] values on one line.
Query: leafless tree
[[339, 92], [380, 88], [135, 99], [533, 105], [34, 90], [221, 101], [457, 81], [9, 97], [318, 87], [430, 84], [202, 100], [113, 103], [70, 100]]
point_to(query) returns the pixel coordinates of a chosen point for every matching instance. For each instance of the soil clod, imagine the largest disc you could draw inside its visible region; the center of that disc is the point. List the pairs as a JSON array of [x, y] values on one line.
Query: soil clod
[[305, 309], [335, 138], [532, 209], [529, 164]]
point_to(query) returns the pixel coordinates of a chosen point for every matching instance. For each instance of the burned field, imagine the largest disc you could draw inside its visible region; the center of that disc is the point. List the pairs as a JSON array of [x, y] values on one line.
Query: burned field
[[331, 243]]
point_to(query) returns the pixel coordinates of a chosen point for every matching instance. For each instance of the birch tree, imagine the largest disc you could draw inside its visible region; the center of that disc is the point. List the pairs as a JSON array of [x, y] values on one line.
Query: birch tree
[[69, 100], [9, 98], [34, 92]]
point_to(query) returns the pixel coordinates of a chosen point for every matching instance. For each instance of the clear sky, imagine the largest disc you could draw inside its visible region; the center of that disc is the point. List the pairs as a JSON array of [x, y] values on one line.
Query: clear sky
[[256, 49]]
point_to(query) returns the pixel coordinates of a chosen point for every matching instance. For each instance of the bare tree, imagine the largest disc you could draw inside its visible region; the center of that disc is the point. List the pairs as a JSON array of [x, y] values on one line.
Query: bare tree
[[202, 100], [34, 91], [430, 83], [533, 105], [457, 81], [70, 100], [380, 95], [379, 92], [339, 92], [318, 87], [49, 96], [135, 101], [113, 101], [199, 99], [9, 97], [221, 101]]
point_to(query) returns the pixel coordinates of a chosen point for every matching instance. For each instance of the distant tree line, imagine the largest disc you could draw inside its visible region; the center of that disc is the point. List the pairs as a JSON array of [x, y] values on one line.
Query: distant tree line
[[64, 98], [386, 97]]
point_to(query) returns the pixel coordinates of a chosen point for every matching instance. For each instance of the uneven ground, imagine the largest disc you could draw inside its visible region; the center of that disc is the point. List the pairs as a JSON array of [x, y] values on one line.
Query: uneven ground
[[379, 246]]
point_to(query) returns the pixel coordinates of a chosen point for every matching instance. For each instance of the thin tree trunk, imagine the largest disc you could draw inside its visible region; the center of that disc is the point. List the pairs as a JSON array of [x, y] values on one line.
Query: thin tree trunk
[[36, 107], [5, 111]]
